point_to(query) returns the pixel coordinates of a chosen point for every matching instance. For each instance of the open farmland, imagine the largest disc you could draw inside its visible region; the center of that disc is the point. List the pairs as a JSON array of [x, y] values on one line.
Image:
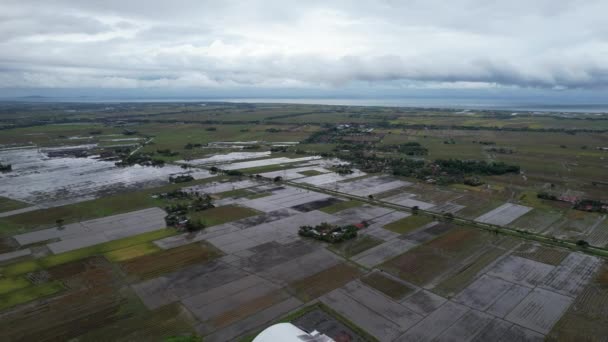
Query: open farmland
[[86, 252]]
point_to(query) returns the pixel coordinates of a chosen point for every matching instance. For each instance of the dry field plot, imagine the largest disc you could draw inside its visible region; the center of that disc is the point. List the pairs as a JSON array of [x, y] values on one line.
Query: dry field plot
[[157, 325], [537, 220], [426, 262], [576, 225], [408, 224], [466, 273], [547, 255], [476, 204], [325, 281], [355, 246], [387, 285], [149, 266], [599, 234], [521, 271]]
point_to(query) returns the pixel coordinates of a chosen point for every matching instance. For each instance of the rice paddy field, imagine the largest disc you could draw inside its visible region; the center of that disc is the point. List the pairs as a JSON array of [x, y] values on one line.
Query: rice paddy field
[[85, 253]]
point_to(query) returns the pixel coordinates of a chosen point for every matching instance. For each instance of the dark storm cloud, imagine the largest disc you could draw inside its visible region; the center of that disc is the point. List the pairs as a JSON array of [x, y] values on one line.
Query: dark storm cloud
[[466, 43]]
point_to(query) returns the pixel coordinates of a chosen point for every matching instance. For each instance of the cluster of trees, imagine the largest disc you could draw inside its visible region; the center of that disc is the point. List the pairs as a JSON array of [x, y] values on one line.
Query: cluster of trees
[[343, 169], [181, 179], [473, 181], [443, 171], [589, 205], [547, 196], [252, 147], [477, 167], [167, 153], [174, 195], [592, 206], [236, 173], [329, 233], [501, 150], [129, 132], [409, 148], [178, 213], [6, 168], [275, 149]]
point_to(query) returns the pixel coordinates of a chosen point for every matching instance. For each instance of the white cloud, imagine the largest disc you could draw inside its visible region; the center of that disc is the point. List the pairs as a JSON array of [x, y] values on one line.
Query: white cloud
[[427, 44]]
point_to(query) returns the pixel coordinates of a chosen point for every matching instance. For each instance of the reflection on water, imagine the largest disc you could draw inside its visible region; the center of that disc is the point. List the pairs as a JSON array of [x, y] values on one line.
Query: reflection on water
[[39, 179]]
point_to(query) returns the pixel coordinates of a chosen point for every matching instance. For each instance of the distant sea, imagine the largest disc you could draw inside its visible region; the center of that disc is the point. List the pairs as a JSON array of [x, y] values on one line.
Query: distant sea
[[420, 102]]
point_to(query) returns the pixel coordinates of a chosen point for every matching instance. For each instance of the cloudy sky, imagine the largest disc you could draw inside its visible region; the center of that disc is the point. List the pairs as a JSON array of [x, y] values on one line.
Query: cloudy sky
[[548, 45]]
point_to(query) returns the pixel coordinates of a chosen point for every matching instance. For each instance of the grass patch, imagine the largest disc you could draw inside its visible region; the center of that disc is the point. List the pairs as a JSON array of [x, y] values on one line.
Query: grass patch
[[149, 266], [353, 247], [21, 268], [310, 173], [267, 168], [530, 199], [7, 204], [58, 259], [547, 255], [234, 193], [260, 195], [219, 215], [132, 252], [12, 284], [28, 294], [424, 263], [323, 282], [387, 285], [334, 208], [406, 225]]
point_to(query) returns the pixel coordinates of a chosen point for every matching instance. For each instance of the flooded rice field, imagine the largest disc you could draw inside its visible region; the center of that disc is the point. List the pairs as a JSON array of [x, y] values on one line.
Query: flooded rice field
[[40, 179], [228, 157]]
